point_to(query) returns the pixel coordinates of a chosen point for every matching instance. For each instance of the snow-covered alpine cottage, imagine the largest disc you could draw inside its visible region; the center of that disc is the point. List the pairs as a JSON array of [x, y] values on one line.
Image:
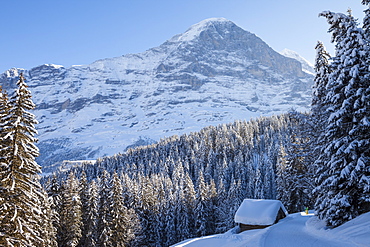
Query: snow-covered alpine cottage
[[259, 213]]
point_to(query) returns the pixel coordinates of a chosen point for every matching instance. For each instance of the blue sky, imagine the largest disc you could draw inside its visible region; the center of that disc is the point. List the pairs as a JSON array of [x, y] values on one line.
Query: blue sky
[[72, 32]]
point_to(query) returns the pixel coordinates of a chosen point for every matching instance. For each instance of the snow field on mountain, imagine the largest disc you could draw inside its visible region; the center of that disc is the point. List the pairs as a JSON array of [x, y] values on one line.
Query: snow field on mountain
[[213, 73]]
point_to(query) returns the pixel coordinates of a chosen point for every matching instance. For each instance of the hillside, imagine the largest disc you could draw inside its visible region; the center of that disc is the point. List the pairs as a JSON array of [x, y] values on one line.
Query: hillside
[[295, 230]]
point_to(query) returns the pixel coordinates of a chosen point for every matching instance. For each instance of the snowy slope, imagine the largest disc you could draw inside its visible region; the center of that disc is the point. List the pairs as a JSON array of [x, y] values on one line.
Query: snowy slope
[[306, 65], [295, 230], [213, 73]]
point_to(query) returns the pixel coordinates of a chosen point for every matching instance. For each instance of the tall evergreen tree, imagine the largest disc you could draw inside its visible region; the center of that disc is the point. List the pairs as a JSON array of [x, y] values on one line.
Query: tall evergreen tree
[[319, 105], [201, 209], [322, 71], [344, 182], [366, 21], [122, 230], [221, 209], [53, 189], [21, 193], [71, 214], [104, 231], [85, 208], [4, 112], [49, 231], [90, 219], [233, 202], [189, 201], [211, 207], [296, 169]]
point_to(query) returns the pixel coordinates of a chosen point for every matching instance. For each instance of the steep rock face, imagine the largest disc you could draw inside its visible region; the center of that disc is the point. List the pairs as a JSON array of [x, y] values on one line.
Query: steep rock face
[[208, 46], [213, 73]]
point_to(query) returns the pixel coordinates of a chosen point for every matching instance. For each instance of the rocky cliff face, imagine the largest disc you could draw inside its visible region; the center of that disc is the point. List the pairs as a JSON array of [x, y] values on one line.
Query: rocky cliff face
[[213, 73]]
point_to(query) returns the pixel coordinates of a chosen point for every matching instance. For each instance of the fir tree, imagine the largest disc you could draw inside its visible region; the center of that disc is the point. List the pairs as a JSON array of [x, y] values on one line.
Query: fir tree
[[211, 207], [90, 219], [104, 232], [201, 210], [221, 209], [49, 230], [343, 185], [21, 209], [122, 230], [233, 202], [319, 106], [366, 21], [295, 170], [4, 112], [189, 201], [71, 214], [85, 208], [54, 191], [322, 70]]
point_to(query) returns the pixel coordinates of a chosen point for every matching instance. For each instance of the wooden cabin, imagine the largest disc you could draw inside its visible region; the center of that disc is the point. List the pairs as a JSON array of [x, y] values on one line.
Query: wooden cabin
[[259, 213]]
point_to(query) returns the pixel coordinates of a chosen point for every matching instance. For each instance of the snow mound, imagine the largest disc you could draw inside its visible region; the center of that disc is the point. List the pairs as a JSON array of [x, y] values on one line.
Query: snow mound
[[356, 231]]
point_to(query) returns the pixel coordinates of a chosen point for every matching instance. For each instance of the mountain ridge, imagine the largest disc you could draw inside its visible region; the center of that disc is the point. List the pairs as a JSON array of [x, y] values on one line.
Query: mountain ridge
[[218, 74]]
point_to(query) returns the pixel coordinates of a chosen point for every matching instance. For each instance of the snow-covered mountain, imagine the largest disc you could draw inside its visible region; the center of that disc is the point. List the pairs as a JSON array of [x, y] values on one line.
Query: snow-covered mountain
[[213, 73], [306, 65]]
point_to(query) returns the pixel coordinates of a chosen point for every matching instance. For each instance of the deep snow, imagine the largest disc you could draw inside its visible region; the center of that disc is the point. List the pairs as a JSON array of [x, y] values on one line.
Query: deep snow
[[297, 229]]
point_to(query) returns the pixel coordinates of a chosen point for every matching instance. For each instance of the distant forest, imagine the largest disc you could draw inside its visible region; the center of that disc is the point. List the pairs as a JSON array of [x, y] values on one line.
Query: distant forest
[[191, 185]]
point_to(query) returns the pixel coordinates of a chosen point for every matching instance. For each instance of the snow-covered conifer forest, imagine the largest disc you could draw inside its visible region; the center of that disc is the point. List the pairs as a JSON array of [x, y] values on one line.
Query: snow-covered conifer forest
[[191, 185]]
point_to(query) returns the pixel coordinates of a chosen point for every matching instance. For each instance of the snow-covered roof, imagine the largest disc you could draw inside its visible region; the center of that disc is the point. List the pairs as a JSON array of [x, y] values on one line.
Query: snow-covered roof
[[258, 212]]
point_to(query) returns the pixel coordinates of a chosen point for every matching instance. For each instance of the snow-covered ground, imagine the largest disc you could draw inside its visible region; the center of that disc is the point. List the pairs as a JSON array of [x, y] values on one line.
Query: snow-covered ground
[[295, 230]]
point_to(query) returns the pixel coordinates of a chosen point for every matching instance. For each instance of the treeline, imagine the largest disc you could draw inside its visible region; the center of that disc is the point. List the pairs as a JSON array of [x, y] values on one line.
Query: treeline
[[182, 187]]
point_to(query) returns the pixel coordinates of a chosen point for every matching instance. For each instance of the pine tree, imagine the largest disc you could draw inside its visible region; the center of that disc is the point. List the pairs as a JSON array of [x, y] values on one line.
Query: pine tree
[[366, 21], [21, 209], [181, 216], [122, 232], [211, 207], [189, 201], [104, 230], [54, 191], [295, 173], [201, 210], [319, 105], [85, 208], [71, 214], [233, 202], [169, 221], [282, 178], [4, 112], [90, 219], [344, 182], [49, 231], [322, 70], [221, 209]]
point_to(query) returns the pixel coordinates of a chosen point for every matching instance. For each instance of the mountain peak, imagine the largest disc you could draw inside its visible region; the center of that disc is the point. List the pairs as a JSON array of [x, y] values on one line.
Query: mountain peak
[[195, 30], [211, 21]]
